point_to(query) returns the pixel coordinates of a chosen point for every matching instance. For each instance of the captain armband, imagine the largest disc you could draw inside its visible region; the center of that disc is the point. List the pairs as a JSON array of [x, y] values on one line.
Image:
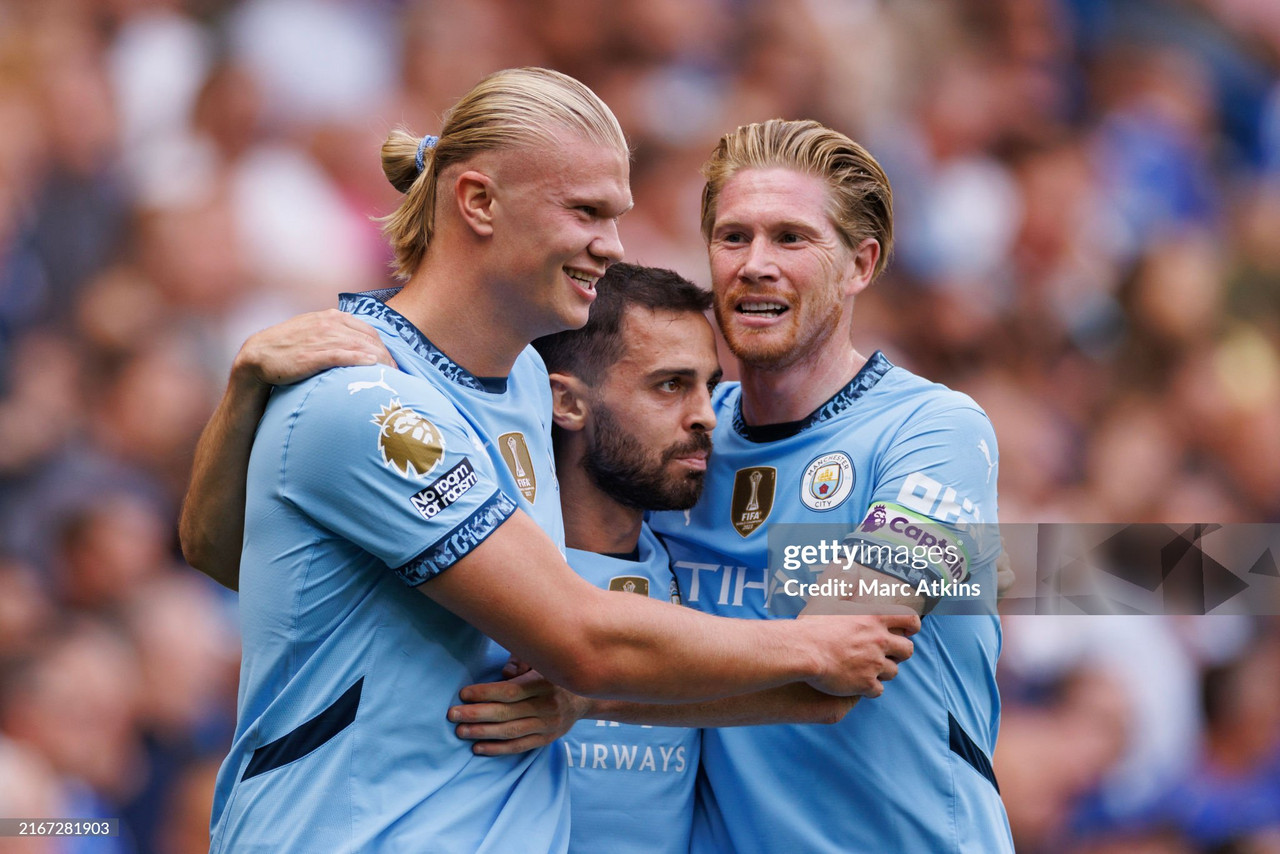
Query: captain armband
[[909, 547]]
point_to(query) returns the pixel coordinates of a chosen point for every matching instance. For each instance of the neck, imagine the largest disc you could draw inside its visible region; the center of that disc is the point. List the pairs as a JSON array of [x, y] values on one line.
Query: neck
[[779, 395], [593, 521], [449, 302]]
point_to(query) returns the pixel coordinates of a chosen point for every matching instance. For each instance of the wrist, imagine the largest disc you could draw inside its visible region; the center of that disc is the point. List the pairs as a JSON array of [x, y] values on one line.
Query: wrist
[[591, 708], [246, 373], [811, 660]]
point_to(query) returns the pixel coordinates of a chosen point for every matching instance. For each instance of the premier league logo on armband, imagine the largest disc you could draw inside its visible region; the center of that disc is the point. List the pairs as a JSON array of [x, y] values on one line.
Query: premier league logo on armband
[[407, 441], [515, 453], [875, 520], [752, 497], [827, 481]]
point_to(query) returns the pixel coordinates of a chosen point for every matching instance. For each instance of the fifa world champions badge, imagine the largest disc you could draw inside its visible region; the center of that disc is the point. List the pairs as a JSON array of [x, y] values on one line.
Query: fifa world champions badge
[[752, 498], [515, 453]]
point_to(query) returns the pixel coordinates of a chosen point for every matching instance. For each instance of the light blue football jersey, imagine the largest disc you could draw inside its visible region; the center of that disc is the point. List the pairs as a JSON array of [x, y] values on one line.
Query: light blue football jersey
[[363, 483], [909, 771], [631, 787]]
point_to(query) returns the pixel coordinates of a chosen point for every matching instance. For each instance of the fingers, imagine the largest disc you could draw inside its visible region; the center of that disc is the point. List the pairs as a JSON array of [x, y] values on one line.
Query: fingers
[[506, 691], [506, 730], [1005, 576], [898, 649], [515, 715], [309, 343], [512, 746], [371, 342], [905, 624], [488, 713]]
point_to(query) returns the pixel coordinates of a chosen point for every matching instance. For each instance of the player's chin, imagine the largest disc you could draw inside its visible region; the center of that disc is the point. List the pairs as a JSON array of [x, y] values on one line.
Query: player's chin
[[760, 349], [686, 489]]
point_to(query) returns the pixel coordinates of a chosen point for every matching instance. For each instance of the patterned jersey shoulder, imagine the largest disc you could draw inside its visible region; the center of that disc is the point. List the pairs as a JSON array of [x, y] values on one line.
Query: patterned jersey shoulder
[[385, 460], [928, 426]]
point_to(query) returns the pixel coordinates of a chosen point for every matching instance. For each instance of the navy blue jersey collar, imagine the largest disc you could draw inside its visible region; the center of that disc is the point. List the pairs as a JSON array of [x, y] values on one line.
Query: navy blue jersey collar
[[866, 378], [374, 304]]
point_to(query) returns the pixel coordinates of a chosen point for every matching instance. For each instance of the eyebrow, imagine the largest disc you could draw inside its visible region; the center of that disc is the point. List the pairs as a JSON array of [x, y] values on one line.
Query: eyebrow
[[599, 204], [672, 372], [687, 373], [785, 225]]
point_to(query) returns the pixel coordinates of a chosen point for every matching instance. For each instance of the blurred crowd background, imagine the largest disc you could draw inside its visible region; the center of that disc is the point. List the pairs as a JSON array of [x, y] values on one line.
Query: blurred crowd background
[[1088, 200]]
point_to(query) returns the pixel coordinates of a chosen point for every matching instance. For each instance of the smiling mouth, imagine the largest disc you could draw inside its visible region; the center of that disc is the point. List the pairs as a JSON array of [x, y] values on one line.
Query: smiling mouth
[[587, 282], [761, 309]]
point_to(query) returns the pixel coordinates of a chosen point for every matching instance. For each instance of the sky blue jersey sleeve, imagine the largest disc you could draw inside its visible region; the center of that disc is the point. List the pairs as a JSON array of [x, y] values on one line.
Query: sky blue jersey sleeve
[[402, 475], [933, 509]]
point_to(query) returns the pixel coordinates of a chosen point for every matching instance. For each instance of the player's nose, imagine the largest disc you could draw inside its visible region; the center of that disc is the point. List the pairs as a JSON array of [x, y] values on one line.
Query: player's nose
[[607, 243], [758, 265], [701, 414]]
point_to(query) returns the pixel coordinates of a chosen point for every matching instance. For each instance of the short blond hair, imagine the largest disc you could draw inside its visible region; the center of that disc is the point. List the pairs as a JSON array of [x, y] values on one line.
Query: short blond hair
[[513, 108], [861, 198]]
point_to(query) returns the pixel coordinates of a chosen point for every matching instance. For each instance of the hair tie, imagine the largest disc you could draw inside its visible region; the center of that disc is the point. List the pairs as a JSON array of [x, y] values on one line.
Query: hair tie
[[427, 141]]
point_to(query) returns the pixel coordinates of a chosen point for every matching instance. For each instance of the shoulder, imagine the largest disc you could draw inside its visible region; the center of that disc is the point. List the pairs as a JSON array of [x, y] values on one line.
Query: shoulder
[[529, 375], [652, 550], [346, 413], [355, 389], [930, 407], [529, 362], [725, 397]]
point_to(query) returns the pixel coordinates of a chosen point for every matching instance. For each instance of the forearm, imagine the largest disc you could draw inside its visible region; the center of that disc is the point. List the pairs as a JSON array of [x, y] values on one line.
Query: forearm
[[648, 650], [211, 528], [516, 588], [796, 703]]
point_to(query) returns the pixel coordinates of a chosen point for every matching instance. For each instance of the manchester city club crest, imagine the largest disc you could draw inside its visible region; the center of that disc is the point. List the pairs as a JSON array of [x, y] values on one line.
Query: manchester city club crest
[[515, 453], [827, 481], [752, 498]]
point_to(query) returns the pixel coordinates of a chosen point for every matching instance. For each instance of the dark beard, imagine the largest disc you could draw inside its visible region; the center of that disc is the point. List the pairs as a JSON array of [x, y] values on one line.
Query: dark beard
[[620, 467]]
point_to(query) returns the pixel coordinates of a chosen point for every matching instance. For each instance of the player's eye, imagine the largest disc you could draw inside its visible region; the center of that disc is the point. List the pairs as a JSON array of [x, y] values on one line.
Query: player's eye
[[589, 210], [791, 237], [670, 386]]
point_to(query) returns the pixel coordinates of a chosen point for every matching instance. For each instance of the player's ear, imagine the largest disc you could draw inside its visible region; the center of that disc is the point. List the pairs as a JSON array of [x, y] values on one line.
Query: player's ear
[[862, 266], [568, 402], [474, 194]]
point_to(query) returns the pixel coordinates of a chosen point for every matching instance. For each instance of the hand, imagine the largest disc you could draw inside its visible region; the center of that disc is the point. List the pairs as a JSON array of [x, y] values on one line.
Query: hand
[[1004, 573], [862, 650], [517, 714], [308, 344]]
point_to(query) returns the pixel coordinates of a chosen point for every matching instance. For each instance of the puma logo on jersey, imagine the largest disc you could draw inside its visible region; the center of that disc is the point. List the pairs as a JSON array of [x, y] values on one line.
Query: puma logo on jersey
[[352, 388], [986, 452]]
